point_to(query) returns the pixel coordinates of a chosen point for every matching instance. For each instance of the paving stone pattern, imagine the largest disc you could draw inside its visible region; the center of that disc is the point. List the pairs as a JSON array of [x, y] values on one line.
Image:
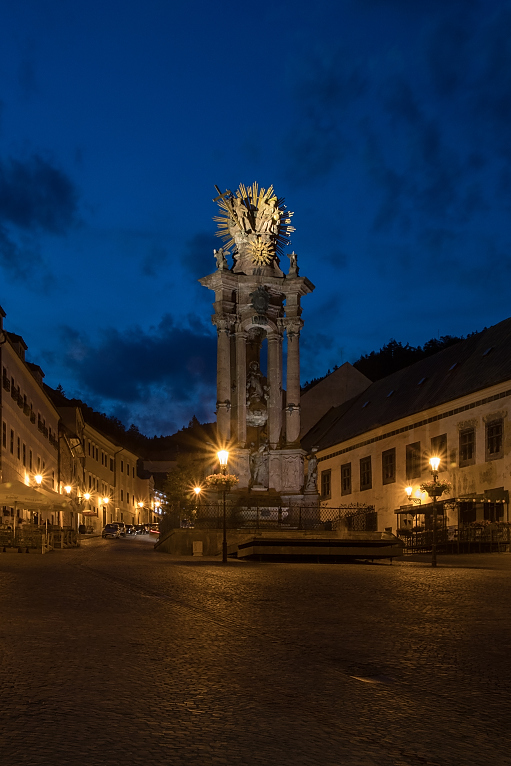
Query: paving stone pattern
[[114, 654]]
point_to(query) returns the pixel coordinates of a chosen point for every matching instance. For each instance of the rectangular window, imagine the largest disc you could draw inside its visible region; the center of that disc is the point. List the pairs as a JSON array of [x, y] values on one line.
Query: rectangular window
[[388, 466], [24, 454], [133, 471], [12, 442], [366, 478], [122, 495], [346, 479], [18, 451], [30, 459], [493, 511], [122, 466], [111, 464], [413, 460], [90, 481], [494, 432], [128, 498], [38, 464], [4, 435], [467, 447], [89, 449], [439, 449], [128, 468], [326, 484], [97, 454]]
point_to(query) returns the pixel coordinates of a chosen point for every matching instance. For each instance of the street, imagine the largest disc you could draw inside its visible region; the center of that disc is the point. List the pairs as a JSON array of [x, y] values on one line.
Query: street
[[115, 654]]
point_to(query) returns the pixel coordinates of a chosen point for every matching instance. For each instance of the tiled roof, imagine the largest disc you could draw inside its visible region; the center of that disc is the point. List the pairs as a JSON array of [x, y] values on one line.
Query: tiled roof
[[471, 365]]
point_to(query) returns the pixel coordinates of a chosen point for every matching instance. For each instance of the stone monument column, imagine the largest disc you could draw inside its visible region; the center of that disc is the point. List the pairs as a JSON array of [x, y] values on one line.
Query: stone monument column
[[241, 386], [255, 299], [223, 378], [275, 382], [293, 381]]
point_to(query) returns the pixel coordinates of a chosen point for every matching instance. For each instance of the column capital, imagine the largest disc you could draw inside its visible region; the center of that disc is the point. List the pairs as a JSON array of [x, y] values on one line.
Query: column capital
[[223, 322], [292, 325]]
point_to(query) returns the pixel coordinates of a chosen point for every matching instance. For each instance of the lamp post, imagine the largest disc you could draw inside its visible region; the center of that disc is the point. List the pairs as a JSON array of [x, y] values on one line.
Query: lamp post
[[106, 500], [223, 457], [434, 493], [197, 491]]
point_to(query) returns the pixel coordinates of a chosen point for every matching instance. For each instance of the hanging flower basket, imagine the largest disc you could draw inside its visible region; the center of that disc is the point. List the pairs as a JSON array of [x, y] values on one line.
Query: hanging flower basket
[[435, 489], [220, 481]]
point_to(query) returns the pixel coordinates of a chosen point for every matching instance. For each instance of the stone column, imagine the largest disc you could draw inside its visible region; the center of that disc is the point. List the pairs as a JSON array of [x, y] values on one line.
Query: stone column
[[223, 379], [293, 382], [275, 383], [241, 387]]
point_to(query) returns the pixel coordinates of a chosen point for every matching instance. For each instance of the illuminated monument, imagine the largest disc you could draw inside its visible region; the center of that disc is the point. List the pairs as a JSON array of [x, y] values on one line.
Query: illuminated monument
[[257, 313]]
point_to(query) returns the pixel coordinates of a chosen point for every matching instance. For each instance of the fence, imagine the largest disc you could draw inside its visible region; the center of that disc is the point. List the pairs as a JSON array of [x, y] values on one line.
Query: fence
[[463, 539], [354, 517], [32, 537]]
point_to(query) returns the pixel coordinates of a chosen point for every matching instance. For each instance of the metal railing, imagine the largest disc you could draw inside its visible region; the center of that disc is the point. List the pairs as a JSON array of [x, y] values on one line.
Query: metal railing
[[356, 518], [31, 537], [463, 539]]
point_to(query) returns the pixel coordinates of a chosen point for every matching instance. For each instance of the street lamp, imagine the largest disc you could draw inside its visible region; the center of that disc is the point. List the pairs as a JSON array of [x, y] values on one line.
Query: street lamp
[[434, 493], [197, 491], [223, 457]]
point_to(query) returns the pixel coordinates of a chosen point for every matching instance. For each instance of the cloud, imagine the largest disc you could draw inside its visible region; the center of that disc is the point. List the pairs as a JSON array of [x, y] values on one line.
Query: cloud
[[198, 256], [324, 86], [128, 366], [154, 260], [36, 198]]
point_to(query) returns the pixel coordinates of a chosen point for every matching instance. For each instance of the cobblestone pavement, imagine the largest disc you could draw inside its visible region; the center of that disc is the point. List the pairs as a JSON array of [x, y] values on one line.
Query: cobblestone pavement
[[114, 654]]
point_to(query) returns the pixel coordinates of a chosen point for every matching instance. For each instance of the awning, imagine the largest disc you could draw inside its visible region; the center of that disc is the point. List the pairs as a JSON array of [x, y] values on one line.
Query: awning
[[16, 493]]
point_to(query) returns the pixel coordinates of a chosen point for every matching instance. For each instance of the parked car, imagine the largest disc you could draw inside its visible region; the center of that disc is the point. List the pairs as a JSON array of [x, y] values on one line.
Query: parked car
[[111, 530], [154, 530], [122, 527], [130, 529], [141, 529]]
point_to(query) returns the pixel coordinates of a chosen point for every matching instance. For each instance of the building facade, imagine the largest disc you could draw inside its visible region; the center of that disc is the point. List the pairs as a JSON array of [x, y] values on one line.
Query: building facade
[[453, 405], [82, 478]]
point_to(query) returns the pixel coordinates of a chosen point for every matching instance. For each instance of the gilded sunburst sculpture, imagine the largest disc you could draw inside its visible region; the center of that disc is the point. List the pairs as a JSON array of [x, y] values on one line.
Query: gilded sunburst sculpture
[[255, 221]]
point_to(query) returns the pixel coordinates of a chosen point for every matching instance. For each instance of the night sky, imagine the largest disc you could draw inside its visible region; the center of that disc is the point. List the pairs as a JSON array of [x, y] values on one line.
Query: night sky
[[385, 124]]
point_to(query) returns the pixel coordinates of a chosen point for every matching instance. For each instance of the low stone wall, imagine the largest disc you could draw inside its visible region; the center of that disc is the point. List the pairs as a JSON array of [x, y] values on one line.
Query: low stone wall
[[180, 542]]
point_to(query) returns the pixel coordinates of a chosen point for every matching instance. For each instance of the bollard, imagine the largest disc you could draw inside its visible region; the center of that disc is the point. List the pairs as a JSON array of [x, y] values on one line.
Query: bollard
[[27, 551]]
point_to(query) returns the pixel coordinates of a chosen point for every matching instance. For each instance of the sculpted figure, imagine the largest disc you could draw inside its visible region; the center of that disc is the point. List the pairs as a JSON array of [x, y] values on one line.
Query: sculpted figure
[[221, 260], [312, 473], [254, 382], [259, 466]]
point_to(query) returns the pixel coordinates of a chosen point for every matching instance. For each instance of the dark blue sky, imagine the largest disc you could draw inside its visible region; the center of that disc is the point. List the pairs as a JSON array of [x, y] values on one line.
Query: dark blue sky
[[384, 123]]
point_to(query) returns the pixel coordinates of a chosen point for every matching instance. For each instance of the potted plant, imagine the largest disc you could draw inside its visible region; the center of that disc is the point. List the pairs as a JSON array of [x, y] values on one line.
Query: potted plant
[[221, 482], [435, 488]]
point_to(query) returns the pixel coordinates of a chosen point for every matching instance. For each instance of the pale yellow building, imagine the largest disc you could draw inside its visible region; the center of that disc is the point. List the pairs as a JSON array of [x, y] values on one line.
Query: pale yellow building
[[29, 442], [454, 404]]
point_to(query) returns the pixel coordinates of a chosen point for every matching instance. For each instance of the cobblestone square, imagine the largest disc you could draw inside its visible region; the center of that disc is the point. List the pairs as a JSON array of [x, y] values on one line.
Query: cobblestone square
[[114, 654]]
